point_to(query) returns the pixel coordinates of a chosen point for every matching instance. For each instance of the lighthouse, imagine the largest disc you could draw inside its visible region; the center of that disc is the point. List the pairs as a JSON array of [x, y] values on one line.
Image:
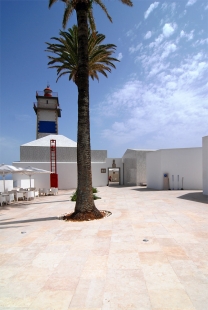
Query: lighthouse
[[47, 110]]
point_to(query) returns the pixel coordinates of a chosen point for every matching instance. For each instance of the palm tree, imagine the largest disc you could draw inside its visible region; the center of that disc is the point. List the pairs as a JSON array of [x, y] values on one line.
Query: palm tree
[[66, 50], [85, 206]]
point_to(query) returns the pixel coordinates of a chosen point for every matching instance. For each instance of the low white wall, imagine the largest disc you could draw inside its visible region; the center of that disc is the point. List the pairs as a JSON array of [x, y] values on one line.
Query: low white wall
[[8, 185], [24, 183], [205, 164], [186, 163], [41, 180]]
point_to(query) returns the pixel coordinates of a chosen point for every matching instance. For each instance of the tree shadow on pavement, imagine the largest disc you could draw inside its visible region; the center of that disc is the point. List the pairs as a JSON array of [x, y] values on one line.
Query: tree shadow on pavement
[[6, 227], [195, 196], [24, 204], [42, 219]]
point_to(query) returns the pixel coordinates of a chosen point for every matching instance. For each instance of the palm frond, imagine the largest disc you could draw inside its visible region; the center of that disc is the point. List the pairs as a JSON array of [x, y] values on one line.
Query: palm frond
[[103, 7], [64, 54], [67, 13], [127, 2], [91, 20], [51, 2]]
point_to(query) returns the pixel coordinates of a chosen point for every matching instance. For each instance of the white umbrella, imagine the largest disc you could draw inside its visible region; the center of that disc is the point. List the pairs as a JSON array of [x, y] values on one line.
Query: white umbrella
[[33, 170], [8, 169]]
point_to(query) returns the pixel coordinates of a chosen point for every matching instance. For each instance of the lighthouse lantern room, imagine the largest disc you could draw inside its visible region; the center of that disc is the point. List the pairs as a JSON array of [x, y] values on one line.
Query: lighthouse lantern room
[[47, 110]]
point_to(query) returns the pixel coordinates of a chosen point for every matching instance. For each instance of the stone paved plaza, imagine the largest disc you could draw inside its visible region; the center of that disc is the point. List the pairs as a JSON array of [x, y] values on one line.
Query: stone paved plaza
[[50, 264]]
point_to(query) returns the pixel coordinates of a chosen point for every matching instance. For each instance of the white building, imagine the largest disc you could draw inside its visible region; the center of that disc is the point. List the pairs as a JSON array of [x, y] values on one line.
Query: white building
[[181, 167], [131, 170], [134, 162], [37, 154], [205, 164], [185, 168]]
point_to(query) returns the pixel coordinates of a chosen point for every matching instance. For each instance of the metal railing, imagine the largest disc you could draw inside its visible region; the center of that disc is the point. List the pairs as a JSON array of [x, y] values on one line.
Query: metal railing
[[35, 104], [42, 94]]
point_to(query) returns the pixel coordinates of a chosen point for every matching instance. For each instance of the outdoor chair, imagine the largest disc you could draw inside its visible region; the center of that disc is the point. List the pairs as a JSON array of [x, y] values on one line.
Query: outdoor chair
[[46, 191], [19, 195], [36, 193], [41, 191], [10, 197], [2, 200], [54, 191], [29, 195]]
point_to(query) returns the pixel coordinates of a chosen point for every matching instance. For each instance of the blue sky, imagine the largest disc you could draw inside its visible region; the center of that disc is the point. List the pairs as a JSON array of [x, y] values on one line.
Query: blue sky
[[156, 98]]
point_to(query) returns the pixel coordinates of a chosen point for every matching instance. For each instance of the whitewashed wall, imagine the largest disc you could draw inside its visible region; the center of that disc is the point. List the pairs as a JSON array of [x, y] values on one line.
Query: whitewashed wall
[[186, 163], [153, 168], [67, 174], [135, 166], [23, 183], [38, 180], [205, 164]]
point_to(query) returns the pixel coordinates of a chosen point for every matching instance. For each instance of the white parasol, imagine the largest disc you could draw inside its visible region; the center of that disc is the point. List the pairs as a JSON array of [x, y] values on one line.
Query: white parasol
[[33, 170], [8, 169]]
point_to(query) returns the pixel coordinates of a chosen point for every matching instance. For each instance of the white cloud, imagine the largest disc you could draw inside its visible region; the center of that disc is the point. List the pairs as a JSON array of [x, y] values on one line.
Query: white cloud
[[172, 104], [171, 85], [152, 7], [182, 34], [130, 33], [148, 35], [189, 36], [165, 112], [167, 98], [157, 67], [203, 41], [157, 41], [138, 25], [164, 6], [168, 48], [120, 56], [191, 2], [119, 127], [169, 29], [133, 49], [173, 7]]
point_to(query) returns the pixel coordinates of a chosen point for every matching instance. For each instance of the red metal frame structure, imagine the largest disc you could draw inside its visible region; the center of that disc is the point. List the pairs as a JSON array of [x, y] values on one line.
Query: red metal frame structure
[[54, 175], [53, 155]]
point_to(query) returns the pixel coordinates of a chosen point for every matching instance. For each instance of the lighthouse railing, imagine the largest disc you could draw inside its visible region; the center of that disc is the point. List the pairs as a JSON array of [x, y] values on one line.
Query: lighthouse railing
[[42, 94]]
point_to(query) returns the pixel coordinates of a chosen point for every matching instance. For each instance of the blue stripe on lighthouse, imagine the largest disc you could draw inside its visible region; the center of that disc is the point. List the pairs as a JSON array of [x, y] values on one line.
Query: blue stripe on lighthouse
[[48, 127]]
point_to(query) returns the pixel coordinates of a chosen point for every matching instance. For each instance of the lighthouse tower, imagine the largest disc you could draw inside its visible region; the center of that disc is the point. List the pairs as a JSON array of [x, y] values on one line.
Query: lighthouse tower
[[47, 110]]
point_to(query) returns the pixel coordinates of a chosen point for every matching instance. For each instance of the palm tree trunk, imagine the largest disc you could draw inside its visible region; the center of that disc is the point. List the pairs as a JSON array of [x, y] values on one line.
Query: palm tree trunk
[[85, 207]]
